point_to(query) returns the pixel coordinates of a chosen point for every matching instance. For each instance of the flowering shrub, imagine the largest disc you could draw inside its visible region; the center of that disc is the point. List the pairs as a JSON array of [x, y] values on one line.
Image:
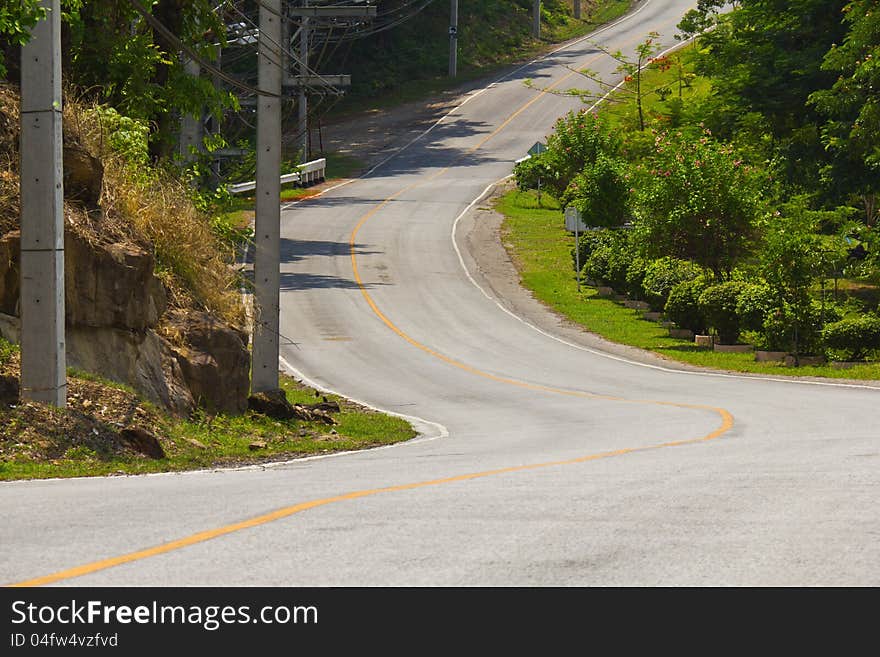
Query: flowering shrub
[[697, 201]]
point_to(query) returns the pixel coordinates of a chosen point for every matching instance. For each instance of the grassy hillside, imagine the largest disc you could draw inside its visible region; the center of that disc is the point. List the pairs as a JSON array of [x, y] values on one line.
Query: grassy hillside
[[491, 33]]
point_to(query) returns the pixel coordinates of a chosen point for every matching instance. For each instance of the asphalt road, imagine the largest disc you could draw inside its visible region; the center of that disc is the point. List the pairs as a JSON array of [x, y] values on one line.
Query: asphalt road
[[542, 461]]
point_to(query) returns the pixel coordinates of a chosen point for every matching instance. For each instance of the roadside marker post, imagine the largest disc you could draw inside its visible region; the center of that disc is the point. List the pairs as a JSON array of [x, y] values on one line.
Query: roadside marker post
[[574, 223], [536, 149]]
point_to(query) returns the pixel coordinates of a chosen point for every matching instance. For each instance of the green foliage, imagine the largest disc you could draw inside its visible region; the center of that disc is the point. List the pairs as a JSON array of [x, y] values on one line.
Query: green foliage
[[16, 21], [852, 131], [683, 305], [853, 337], [662, 275], [797, 327], [578, 140], [718, 305], [587, 243], [126, 136], [601, 192], [789, 253], [116, 55], [755, 303], [697, 201], [610, 260], [7, 350], [766, 57], [635, 276]]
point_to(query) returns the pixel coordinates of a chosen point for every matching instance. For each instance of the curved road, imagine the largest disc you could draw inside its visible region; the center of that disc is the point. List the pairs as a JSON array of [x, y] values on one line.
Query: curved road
[[542, 461]]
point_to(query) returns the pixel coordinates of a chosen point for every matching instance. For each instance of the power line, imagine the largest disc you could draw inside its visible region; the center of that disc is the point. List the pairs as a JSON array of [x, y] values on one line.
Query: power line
[[157, 25]]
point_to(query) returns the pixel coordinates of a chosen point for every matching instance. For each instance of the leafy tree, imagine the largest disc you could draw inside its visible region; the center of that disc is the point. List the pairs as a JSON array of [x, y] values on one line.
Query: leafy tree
[[766, 56], [789, 256], [697, 201], [852, 106], [632, 68], [123, 59], [16, 21], [765, 59], [601, 192], [578, 140], [700, 19]]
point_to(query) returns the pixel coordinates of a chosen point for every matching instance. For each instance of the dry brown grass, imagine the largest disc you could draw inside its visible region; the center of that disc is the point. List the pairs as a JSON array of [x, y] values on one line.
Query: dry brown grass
[[138, 204]]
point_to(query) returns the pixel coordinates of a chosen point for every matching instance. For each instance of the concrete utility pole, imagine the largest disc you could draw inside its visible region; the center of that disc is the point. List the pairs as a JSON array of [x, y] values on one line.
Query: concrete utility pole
[[190, 127], [536, 20], [453, 39], [43, 361], [303, 96], [577, 9], [267, 223]]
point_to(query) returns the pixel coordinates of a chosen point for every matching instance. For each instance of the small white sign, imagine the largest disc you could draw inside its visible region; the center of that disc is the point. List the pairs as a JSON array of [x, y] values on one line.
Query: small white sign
[[573, 220]]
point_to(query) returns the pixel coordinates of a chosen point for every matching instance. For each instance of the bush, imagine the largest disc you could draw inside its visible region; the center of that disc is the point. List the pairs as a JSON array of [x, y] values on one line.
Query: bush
[[683, 305], [601, 192], [853, 337], [664, 274], [797, 328], [538, 167], [718, 304], [609, 262], [635, 277], [756, 301], [587, 243]]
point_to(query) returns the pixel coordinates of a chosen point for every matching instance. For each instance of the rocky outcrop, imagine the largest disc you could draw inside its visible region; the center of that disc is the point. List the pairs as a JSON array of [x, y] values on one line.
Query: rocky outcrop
[[113, 306], [142, 359], [83, 175], [110, 285], [105, 285], [214, 360]]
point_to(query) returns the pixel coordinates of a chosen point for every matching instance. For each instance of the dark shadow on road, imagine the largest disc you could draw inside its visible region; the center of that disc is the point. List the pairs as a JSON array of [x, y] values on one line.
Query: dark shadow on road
[[296, 250], [305, 281]]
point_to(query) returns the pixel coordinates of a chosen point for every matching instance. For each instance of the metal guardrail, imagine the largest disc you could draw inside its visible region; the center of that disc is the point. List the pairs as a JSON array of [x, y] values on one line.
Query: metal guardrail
[[308, 173]]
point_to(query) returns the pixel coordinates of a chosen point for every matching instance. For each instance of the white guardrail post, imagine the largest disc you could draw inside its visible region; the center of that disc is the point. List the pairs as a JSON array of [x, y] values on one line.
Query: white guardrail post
[[308, 173]]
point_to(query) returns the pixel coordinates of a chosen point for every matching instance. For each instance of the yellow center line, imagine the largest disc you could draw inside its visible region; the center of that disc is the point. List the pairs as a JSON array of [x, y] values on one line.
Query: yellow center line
[[286, 512]]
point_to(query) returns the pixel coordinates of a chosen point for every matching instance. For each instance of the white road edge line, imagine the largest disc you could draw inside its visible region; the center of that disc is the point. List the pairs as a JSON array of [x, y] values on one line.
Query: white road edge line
[[427, 429], [597, 352]]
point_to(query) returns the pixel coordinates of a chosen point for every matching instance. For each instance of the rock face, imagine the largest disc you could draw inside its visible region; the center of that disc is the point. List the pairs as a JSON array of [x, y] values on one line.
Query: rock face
[[110, 285], [141, 359], [83, 175], [113, 305], [105, 285], [215, 361]]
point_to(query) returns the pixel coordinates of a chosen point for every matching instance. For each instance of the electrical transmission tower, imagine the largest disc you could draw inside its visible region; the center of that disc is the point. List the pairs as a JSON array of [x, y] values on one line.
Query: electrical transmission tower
[[312, 18]]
